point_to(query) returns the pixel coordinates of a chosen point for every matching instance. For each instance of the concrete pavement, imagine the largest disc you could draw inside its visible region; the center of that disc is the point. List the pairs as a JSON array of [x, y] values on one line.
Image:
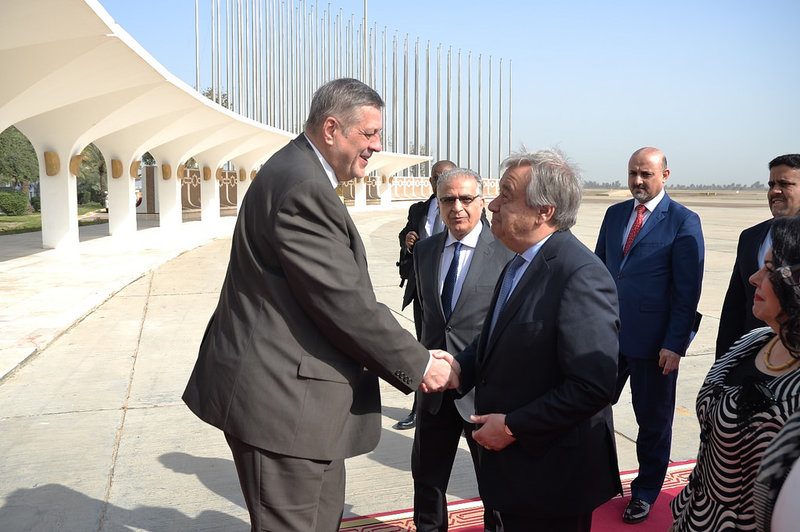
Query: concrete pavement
[[97, 347]]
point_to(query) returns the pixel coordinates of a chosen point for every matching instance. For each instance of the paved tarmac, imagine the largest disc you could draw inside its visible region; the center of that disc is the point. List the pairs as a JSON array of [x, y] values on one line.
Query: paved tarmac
[[97, 346]]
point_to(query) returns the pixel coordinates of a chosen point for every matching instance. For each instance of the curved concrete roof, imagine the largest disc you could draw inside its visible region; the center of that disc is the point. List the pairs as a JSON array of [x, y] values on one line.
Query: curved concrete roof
[[73, 76], [79, 76]]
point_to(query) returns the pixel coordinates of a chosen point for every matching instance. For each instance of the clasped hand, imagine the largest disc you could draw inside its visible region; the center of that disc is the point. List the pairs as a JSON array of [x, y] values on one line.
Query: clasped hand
[[443, 374]]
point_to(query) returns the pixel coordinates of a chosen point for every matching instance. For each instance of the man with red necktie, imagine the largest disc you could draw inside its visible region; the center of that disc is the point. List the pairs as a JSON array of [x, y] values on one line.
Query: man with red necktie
[[654, 249]]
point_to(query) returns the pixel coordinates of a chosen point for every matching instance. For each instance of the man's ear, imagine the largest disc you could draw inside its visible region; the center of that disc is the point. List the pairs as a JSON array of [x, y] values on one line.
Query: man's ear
[[545, 213], [329, 127]]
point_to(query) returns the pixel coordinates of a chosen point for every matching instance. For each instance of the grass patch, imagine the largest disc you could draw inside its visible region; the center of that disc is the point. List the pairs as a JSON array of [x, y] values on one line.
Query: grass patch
[[27, 223]]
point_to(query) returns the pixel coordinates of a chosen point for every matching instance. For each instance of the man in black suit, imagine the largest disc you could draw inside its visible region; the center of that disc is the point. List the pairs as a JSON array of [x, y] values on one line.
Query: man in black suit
[[456, 271], [784, 200], [288, 364], [423, 221], [545, 364]]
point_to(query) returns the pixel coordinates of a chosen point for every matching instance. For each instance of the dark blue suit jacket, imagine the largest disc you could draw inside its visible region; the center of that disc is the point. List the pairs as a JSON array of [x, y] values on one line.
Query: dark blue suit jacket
[[659, 280], [550, 365]]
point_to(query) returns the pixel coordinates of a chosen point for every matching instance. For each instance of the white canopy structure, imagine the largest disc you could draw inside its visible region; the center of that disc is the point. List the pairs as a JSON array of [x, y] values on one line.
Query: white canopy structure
[[72, 76]]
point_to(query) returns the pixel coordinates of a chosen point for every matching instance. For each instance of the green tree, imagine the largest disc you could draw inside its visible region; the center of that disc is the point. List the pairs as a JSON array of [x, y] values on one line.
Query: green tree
[[92, 178], [18, 164], [222, 98]]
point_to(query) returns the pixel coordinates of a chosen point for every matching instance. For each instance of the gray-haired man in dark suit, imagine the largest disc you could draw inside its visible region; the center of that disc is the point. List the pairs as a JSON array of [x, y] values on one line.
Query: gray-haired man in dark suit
[[456, 272]]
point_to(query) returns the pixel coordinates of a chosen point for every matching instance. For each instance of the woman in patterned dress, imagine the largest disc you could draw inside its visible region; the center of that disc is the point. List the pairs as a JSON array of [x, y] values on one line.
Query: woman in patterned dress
[[778, 481], [747, 397]]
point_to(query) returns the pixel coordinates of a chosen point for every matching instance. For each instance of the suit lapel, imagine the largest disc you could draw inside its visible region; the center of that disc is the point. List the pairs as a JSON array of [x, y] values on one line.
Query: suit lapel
[[536, 274], [423, 219], [658, 214], [356, 244], [614, 232], [475, 272], [755, 245], [436, 267], [430, 263]]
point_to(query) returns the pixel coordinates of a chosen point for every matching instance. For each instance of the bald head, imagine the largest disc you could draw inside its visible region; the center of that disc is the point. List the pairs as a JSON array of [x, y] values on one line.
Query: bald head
[[647, 173], [439, 168], [652, 152]]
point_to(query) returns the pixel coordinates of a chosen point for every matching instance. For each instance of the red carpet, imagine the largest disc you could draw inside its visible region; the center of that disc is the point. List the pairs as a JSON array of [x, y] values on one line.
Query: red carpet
[[467, 516]]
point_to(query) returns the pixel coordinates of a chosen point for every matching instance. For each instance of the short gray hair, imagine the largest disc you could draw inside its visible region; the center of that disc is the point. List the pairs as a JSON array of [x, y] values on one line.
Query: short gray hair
[[459, 172], [341, 98], [554, 182]]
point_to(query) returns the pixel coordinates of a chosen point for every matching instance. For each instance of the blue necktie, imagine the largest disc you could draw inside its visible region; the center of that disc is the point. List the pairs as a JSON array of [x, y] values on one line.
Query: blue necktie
[[505, 288], [450, 282]]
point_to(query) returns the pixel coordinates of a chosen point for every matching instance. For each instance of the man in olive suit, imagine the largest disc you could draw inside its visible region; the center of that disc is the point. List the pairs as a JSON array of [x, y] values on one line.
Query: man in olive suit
[[289, 362]]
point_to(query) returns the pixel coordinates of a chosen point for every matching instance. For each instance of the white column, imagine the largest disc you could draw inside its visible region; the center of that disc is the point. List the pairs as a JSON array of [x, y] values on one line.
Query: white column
[[121, 201], [360, 192], [169, 198], [59, 195], [385, 190], [241, 190], [209, 194]]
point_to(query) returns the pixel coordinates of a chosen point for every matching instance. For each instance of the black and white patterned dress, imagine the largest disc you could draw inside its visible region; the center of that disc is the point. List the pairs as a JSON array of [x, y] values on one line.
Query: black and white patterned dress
[[737, 423], [780, 459]]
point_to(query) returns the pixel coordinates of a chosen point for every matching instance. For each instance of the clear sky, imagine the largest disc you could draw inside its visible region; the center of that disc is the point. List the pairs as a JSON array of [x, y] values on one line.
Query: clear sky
[[714, 84]]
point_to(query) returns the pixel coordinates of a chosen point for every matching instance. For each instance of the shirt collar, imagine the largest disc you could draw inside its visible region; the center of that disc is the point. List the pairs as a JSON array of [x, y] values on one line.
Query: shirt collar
[[531, 252], [650, 205], [325, 166], [470, 239]]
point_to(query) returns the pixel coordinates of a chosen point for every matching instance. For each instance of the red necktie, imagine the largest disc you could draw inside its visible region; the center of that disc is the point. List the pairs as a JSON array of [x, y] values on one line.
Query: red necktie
[[637, 225]]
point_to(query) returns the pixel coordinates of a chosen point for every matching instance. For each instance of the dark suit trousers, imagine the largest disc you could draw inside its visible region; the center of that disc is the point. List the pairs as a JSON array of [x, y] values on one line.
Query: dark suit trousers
[[653, 399], [435, 445], [288, 494]]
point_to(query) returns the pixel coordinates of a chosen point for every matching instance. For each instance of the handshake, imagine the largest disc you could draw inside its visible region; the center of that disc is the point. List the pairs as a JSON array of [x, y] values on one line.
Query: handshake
[[443, 374]]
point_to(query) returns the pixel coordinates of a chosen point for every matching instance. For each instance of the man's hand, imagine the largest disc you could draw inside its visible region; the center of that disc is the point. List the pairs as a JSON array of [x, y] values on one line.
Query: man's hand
[[668, 360], [455, 378], [492, 435], [443, 374], [411, 239]]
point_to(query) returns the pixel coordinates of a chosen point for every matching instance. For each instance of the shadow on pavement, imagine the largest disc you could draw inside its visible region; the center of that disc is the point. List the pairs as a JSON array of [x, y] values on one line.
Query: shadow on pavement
[[56, 507], [216, 474]]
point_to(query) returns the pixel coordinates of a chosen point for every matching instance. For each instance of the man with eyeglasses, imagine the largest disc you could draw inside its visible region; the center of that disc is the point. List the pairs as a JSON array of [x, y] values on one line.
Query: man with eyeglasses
[[455, 272], [783, 197], [424, 220]]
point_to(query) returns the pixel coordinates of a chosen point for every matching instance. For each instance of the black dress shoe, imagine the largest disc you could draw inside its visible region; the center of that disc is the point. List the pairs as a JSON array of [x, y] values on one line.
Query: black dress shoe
[[408, 423], [636, 512]]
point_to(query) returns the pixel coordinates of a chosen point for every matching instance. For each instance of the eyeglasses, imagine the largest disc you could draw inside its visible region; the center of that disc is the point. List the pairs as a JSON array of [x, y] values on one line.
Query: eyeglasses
[[790, 274], [451, 200]]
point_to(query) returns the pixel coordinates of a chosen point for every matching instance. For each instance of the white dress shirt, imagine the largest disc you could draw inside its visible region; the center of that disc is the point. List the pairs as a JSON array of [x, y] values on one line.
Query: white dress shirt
[[649, 206], [528, 255], [468, 245], [430, 219], [766, 245], [328, 168]]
